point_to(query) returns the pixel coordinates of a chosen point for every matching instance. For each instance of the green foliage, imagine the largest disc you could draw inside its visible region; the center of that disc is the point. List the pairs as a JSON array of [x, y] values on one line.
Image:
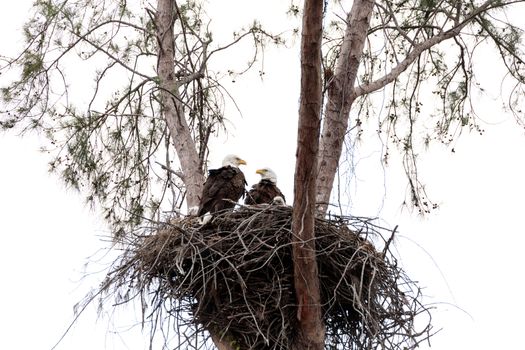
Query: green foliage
[[107, 143], [108, 136], [32, 65], [412, 119], [6, 94]]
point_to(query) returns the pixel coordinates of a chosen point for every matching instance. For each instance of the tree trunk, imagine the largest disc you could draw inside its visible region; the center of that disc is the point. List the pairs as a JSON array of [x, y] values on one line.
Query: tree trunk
[[172, 108], [342, 91], [340, 98], [310, 332], [173, 112]]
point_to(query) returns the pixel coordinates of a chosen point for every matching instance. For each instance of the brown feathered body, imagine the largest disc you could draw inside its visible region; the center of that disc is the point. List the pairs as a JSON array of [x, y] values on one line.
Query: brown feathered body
[[263, 192], [222, 186]]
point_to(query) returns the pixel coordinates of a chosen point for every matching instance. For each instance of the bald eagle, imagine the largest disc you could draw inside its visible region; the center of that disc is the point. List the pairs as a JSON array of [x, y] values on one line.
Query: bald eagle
[[223, 187], [266, 190]]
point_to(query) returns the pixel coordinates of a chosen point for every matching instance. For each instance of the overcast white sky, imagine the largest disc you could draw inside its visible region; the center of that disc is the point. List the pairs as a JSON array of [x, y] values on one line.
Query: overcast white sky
[[467, 254]]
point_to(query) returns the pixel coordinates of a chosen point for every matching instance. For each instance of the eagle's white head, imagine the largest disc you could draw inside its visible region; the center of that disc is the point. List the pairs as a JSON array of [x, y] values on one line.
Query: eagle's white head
[[267, 174], [233, 160]]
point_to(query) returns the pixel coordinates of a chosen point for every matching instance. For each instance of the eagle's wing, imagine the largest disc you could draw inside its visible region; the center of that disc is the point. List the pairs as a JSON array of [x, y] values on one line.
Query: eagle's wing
[[263, 192], [223, 183]]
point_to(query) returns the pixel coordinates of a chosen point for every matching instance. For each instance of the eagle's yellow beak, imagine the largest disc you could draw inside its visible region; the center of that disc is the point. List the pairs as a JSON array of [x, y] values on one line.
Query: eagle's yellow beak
[[242, 161], [260, 171]]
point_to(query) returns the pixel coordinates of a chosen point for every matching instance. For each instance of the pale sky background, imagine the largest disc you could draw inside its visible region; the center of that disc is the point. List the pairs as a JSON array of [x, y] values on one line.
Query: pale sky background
[[467, 255]]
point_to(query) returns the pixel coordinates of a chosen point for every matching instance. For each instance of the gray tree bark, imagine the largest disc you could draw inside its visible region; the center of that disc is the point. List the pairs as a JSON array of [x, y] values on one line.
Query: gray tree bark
[[173, 112], [340, 98], [172, 108]]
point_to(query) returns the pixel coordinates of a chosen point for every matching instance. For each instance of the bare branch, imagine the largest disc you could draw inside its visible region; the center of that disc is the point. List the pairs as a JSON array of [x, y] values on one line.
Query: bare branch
[[179, 174], [416, 51], [84, 38]]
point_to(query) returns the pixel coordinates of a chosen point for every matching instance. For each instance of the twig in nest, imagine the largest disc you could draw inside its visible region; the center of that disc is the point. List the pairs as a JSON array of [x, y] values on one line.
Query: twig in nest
[[234, 278]]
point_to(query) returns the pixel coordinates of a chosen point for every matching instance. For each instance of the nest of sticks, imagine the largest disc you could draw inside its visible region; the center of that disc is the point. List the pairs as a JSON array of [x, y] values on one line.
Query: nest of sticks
[[233, 278]]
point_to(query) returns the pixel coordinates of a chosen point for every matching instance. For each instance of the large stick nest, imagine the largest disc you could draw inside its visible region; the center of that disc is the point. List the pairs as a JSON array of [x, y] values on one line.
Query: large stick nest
[[233, 277]]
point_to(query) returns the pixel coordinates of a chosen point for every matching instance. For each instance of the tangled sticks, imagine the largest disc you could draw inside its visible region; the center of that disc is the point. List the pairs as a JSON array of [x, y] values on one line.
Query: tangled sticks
[[234, 278]]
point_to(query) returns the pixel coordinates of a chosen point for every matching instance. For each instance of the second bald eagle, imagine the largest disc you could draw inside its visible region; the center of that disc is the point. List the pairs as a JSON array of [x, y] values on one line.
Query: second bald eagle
[[266, 190]]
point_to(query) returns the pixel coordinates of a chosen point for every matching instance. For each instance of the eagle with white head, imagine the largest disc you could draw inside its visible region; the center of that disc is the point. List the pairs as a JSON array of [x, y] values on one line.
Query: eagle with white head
[[266, 190], [223, 187]]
